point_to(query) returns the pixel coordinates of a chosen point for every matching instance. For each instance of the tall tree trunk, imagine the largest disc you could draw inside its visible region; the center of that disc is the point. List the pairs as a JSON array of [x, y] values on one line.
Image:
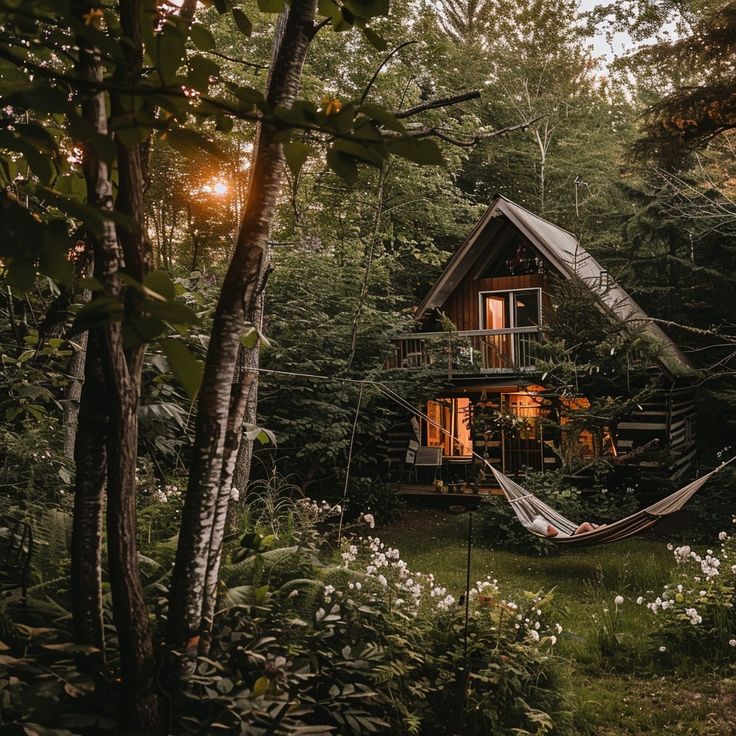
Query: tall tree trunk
[[90, 441], [73, 396], [123, 372], [206, 499], [107, 439]]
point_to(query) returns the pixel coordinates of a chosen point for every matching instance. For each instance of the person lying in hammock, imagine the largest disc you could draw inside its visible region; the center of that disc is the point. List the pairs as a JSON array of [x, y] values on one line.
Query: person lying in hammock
[[541, 526]]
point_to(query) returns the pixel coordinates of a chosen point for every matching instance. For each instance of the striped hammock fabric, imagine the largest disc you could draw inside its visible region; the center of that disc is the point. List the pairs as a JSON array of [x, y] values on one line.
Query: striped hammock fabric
[[528, 507]]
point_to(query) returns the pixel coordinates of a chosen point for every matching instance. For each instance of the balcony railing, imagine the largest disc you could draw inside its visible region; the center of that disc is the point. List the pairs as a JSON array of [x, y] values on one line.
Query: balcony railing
[[515, 350]]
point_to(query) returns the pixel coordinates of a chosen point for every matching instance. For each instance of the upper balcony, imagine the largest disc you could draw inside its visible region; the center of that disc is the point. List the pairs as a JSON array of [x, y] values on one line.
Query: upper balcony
[[505, 351]]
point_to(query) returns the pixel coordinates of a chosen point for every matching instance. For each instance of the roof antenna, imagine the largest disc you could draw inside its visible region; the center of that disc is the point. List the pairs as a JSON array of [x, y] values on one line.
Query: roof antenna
[[578, 183]]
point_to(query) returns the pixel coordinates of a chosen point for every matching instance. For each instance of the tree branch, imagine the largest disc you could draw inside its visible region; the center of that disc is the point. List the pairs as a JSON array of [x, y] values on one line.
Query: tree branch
[[469, 142], [385, 61], [441, 102]]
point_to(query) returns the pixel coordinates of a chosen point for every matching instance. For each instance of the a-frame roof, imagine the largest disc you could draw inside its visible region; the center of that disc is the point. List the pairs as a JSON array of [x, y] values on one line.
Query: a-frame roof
[[559, 248]]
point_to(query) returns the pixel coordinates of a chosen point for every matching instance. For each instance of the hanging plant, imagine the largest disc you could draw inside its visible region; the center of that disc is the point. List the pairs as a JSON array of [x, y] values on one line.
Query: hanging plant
[[494, 422]]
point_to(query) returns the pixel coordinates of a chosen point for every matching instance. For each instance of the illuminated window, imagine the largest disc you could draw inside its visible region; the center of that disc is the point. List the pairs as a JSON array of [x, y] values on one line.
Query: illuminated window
[[587, 443], [449, 426]]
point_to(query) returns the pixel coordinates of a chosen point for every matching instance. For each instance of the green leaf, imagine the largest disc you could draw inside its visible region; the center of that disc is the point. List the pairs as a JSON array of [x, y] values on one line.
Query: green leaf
[[184, 365], [378, 42], [343, 165], [259, 434], [201, 37], [41, 97], [250, 338], [382, 116], [296, 153], [243, 22], [170, 311], [367, 8], [170, 51], [190, 143], [200, 71], [100, 311], [373, 155], [160, 283], [270, 6], [420, 151], [223, 123], [328, 9]]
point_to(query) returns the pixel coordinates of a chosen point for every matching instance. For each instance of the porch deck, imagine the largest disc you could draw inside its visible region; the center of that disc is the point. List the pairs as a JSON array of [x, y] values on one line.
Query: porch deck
[[428, 495], [467, 352]]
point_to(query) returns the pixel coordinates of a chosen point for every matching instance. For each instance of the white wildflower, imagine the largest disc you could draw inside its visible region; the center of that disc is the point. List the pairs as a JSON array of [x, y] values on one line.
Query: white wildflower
[[619, 600]]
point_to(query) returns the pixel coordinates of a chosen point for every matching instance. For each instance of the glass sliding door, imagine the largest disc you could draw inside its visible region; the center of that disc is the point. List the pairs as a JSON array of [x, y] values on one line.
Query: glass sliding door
[[453, 432], [496, 316], [523, 447], [526, 308], [509, 310]]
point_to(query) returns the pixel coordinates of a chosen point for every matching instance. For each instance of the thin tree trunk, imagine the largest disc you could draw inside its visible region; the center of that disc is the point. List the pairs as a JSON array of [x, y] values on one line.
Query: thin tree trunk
[[123, 373], [73, 397], [251, 363], [90, 441], [90, 456], [205, 497]]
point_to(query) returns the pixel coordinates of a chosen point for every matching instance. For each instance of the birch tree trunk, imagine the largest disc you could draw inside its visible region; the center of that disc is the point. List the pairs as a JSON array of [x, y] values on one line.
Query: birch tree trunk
[[214, 451]]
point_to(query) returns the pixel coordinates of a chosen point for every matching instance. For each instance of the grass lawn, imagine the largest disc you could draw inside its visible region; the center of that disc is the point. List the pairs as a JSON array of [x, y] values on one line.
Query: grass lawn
[[609, 697]]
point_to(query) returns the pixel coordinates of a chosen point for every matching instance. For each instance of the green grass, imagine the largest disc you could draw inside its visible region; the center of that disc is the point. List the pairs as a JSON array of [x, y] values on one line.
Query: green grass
[[615, 688]]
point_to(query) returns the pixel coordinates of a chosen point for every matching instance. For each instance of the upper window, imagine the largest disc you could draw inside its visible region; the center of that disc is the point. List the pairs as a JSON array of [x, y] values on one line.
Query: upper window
[[508, 309]]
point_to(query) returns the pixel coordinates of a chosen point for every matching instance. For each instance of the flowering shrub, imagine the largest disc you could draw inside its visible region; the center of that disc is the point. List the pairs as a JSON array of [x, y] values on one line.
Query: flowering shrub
[[695, 612], [355, 642]]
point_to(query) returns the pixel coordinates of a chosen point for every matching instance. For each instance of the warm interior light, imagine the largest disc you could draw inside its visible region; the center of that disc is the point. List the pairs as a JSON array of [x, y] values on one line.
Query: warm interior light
[[220, 188]]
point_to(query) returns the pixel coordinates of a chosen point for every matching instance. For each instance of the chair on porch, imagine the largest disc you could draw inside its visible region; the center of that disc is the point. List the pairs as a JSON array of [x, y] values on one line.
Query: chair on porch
[[426, 457]]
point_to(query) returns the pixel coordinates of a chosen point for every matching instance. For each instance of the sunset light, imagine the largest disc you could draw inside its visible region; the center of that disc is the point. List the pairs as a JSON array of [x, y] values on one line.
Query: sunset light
[[217, 187]]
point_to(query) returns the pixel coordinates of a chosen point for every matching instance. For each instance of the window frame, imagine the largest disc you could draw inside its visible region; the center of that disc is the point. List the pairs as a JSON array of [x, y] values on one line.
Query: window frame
[[508, 293]]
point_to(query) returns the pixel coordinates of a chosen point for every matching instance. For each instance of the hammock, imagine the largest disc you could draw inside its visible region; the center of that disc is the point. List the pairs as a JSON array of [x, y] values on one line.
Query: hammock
[[528, 507]]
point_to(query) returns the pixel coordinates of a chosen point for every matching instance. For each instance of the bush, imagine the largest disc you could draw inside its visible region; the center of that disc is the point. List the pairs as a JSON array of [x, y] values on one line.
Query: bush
[[712, 508], [363, 645], [374, 497], [499, 528], [694, 614]]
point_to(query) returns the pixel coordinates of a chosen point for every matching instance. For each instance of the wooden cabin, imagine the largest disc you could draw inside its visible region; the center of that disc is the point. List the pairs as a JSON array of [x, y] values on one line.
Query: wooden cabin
[[483, 325]]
